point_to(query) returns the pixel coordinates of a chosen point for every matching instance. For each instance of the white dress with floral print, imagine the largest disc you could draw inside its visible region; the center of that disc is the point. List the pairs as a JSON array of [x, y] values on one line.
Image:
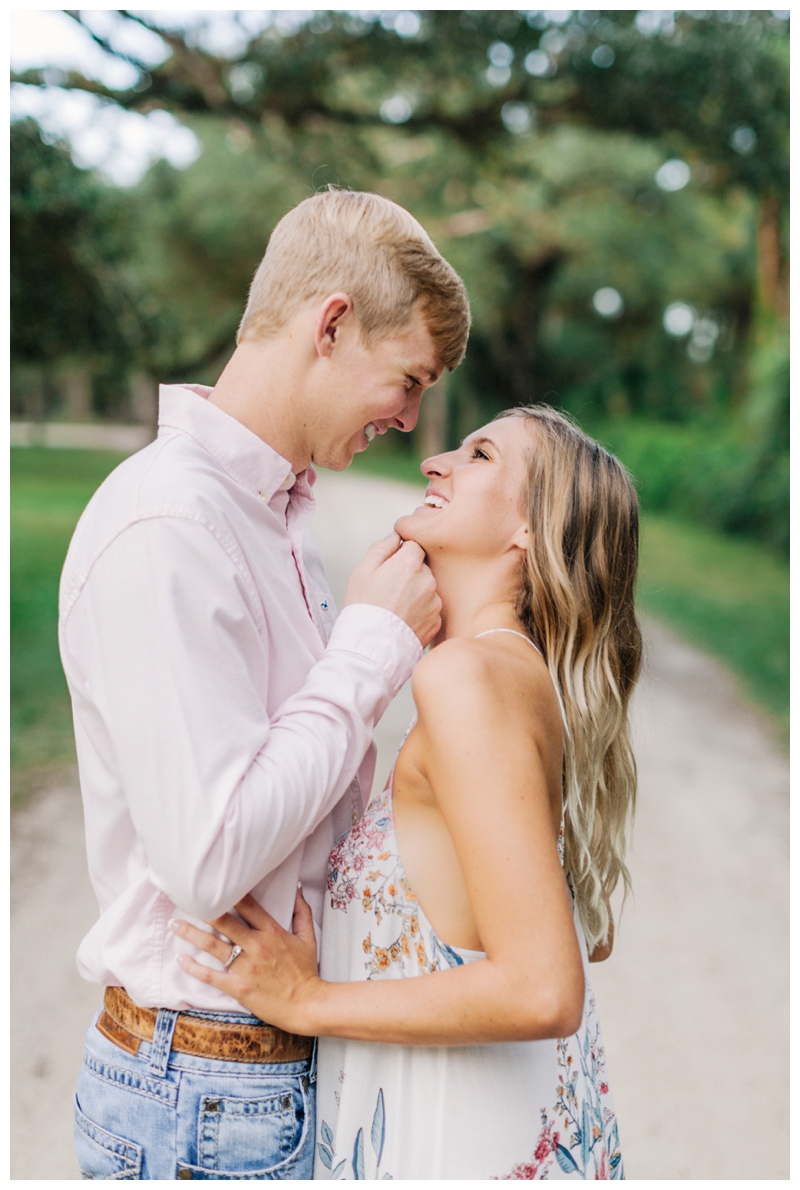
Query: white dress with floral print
[[524, 1110]]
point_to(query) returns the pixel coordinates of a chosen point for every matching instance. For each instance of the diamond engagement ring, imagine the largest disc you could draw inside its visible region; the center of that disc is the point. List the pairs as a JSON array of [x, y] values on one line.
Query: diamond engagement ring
[[237, 950]]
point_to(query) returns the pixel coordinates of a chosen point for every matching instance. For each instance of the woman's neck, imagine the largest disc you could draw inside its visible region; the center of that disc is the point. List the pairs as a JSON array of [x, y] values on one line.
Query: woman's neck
[[474, 600]]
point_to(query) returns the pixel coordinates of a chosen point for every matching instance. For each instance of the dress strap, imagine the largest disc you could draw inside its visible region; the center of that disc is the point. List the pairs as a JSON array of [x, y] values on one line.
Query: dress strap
[[513, 632]]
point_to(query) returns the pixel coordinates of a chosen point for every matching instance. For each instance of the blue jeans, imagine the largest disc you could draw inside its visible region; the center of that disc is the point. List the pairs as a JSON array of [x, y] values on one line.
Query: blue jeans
[[163, 1115]]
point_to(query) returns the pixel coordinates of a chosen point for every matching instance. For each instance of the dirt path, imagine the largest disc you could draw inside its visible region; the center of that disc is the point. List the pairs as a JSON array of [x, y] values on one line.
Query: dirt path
[[694, 1001]]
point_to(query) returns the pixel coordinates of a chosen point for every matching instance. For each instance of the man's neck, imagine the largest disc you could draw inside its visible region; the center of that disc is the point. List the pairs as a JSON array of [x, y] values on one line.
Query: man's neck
[[261, 387]]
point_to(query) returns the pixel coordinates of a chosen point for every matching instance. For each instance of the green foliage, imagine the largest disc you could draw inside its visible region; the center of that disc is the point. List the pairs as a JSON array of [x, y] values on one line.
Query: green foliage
[[69, 235], [49, 490], [714, 475], [537, 220]]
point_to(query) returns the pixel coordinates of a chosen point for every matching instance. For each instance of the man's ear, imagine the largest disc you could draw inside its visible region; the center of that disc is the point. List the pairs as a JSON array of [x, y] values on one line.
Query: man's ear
[[331, 314]]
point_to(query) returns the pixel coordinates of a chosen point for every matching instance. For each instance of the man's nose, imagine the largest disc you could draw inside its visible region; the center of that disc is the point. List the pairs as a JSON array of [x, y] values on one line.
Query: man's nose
[[406, 419]]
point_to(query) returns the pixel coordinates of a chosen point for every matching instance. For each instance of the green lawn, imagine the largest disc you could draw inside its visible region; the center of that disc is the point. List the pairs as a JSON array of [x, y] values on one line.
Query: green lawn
[[731, 597], [49, 489]]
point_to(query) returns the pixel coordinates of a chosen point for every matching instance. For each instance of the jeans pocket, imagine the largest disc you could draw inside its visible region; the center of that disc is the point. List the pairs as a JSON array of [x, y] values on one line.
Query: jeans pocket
[[102, 1155], [260, 1136]]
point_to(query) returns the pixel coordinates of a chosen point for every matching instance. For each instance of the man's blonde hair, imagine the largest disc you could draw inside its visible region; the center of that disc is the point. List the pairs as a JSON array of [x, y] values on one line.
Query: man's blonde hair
[[370, 248]]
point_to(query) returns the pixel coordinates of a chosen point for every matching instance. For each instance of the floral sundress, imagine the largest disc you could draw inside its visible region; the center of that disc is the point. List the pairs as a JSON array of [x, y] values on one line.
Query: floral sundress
[[506, 1111]]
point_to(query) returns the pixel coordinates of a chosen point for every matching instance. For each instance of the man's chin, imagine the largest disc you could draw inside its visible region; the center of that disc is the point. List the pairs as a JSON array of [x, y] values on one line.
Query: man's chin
[[334, 462]]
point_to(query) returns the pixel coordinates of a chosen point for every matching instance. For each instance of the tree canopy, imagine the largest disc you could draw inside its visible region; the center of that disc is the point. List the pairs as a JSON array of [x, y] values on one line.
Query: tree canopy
[[612, 185]]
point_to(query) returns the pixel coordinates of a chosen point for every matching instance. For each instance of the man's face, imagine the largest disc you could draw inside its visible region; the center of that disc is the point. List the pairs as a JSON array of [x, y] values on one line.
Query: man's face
[[361, 392]]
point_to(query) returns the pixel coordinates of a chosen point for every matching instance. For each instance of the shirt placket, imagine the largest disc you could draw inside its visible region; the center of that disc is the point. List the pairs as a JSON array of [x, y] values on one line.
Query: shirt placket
[[298, 515]]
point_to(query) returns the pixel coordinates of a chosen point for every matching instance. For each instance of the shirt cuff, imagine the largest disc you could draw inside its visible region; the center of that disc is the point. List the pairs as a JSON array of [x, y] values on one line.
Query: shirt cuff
[[382, 637]]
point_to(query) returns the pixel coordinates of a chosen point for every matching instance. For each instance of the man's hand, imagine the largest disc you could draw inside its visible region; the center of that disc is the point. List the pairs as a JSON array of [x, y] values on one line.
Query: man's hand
[[393, 574]]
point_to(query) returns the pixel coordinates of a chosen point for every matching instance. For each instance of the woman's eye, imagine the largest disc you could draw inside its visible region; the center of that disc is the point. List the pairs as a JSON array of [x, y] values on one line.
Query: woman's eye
[[477, 453]]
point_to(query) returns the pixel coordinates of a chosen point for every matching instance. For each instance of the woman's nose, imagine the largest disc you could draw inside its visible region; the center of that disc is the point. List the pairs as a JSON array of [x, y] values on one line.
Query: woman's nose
[[436, 465]]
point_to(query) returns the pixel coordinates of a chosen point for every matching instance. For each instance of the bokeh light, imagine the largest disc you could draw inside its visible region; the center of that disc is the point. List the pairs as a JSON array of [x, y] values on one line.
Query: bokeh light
[[539, 64], [517, 117], [396, 110], [603, 57], [679, 318], [673, 175], [608, 302], [744, 139]]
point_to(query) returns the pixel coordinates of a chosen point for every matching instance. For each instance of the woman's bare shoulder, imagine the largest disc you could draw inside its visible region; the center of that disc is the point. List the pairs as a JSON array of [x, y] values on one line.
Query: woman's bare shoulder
[[486, 673]]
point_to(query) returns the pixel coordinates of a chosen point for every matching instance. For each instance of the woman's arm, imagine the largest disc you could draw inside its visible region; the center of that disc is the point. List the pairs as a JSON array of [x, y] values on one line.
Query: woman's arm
[[490, 774]]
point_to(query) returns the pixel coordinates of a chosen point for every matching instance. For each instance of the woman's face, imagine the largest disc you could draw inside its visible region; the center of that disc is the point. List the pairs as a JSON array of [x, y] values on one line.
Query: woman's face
[[472, 503]]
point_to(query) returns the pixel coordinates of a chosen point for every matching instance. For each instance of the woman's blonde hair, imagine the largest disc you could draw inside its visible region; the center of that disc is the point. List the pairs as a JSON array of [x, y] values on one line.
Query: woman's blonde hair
[[576, 601], [370, 248]]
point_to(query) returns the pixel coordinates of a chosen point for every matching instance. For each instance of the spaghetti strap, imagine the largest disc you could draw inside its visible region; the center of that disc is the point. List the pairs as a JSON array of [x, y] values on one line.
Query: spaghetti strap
[[513, 632]]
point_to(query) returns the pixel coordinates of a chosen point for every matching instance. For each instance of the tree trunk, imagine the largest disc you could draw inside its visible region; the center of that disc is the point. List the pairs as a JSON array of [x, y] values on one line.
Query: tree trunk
[[432, 432]]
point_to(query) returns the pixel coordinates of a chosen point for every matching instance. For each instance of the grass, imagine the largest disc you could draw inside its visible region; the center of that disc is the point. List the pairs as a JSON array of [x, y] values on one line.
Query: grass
[[727, 595], [49, 490], [730, 597]]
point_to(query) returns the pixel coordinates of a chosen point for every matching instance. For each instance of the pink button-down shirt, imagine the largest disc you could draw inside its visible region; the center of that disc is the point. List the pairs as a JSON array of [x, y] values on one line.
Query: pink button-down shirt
[[223, 721]]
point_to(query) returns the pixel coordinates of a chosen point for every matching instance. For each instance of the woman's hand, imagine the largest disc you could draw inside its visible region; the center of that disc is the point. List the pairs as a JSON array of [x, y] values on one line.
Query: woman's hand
[[274, 976]]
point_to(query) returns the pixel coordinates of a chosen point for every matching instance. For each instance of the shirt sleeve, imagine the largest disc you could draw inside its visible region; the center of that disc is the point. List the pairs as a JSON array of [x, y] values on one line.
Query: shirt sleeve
[[165, 654]]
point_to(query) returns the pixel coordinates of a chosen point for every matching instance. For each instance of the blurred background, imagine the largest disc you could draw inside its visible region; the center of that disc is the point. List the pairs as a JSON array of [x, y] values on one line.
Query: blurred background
[[611, 185]]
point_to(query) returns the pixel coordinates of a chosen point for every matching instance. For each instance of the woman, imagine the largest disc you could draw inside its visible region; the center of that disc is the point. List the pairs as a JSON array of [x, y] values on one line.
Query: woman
[[508, 805]]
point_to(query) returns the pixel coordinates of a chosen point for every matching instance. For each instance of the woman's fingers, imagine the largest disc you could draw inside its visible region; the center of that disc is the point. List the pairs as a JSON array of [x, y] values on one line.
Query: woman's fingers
[[210, 943], [231, 927], [217, 979], [302, 920], [253, 913]]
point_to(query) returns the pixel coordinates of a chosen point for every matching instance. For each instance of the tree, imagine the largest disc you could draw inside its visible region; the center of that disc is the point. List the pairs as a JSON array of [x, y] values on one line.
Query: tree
[[67, 238], [553, 160]]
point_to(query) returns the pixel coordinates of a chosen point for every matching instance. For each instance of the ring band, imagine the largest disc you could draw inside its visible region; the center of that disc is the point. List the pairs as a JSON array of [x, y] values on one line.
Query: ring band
[[237, 950]]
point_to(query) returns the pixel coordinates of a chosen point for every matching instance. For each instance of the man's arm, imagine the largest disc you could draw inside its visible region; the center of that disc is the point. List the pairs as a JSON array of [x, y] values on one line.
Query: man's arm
[[166, 644]]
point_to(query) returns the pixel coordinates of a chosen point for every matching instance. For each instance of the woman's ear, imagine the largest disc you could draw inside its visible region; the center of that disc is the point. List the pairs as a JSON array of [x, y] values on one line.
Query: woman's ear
[[521, 538]]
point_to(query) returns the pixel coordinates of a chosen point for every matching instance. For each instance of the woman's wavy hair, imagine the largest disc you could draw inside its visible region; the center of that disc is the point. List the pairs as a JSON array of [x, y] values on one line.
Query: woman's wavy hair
[[576, 601]]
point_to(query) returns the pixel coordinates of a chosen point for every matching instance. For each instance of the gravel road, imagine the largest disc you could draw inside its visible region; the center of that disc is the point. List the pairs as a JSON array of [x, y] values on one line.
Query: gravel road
[[694, 1000]]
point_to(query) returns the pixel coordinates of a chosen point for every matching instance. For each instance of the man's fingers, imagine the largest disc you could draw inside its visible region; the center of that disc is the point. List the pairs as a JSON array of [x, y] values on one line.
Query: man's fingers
[[380, 551], [413, 552]]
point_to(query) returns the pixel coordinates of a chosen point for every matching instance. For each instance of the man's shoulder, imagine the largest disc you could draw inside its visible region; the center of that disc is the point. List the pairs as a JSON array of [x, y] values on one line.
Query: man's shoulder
[[174, 477]]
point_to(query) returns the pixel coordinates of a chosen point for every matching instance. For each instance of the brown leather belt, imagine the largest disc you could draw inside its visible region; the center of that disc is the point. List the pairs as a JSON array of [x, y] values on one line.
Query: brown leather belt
[[128, 1025]]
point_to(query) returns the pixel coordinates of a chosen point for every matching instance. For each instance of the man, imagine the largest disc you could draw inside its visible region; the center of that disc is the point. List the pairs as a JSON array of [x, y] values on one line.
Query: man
[[223, 721]]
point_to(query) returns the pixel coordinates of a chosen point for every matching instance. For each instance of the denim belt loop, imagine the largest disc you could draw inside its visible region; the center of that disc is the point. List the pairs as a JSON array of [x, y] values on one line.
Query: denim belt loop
[[162, 1041]]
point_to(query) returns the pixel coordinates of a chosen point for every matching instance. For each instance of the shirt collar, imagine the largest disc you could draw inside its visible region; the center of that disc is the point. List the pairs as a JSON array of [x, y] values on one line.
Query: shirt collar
[[249, 461]]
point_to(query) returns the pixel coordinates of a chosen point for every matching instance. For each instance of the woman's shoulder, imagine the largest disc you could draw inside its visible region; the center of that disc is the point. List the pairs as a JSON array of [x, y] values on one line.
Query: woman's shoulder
[[485, 672]]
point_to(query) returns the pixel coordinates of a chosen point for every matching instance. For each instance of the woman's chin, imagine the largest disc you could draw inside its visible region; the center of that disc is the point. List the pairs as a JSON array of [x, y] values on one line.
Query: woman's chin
[[408, 527]]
